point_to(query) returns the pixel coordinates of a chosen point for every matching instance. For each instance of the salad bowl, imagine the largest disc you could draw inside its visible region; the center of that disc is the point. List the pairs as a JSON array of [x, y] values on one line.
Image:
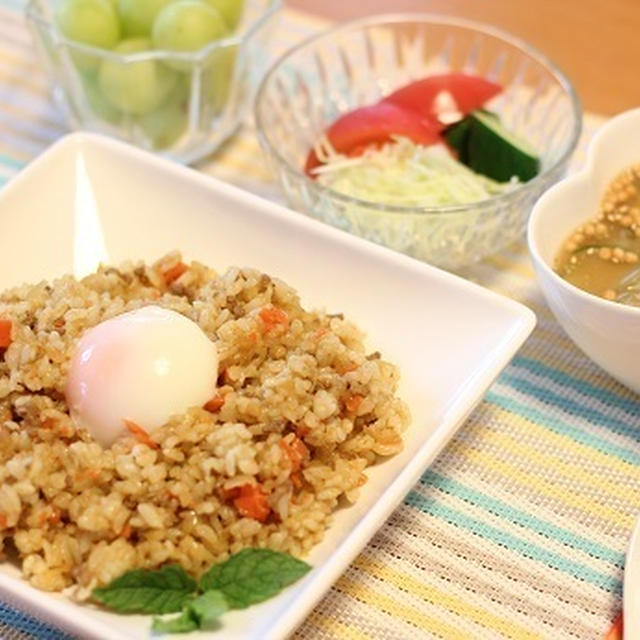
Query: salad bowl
[[362, 62]]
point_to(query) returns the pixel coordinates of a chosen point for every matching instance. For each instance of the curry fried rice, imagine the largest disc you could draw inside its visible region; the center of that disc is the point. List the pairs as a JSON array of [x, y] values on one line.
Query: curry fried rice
[[300, 411]]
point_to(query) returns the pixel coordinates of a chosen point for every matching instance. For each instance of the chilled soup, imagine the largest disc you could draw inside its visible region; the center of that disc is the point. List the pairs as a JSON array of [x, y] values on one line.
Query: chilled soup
[[602, 256]]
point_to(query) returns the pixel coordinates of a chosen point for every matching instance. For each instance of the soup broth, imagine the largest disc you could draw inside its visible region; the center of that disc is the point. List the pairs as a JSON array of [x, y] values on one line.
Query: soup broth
[[602, 256]]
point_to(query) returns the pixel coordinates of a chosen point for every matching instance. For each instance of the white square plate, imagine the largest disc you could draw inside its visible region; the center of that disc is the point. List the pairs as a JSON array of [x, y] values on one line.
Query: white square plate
[[89, 199]]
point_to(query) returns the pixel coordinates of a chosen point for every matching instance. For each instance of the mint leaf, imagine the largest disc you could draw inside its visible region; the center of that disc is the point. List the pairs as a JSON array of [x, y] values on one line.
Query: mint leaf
[[208, 607], [178, 624], [161, 591], [253, 575], [198, 613]]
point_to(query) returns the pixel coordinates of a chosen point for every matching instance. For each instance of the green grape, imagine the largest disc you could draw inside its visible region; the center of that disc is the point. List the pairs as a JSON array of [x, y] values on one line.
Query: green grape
[[231, 10], [91, 22], [99, 105], [135, 87], [167, 123], [137, 16], [217, 78], [187, 25]]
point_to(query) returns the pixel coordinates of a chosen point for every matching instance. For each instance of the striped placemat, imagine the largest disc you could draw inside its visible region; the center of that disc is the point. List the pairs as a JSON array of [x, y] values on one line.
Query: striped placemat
[[519, 529]]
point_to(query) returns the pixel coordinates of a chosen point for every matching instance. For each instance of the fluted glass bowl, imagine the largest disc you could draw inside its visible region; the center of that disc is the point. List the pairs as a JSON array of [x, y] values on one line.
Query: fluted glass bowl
[[358, 63], [209, 91]]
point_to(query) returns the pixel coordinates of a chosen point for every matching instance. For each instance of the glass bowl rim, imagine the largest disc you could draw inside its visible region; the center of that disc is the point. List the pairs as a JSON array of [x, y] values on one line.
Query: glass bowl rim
[[430, 18], [33, 14]]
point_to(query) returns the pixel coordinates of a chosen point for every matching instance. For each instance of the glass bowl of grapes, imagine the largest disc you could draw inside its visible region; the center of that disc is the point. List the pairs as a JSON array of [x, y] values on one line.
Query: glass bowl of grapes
[[172, 76]]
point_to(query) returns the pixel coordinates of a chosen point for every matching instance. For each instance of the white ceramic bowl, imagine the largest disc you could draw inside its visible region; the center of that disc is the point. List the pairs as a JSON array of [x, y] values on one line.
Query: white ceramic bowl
[[608, 332]]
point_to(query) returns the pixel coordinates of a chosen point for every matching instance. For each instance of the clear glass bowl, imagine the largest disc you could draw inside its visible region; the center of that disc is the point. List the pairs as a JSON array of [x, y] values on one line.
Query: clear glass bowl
[[359, 62], [207, 93]]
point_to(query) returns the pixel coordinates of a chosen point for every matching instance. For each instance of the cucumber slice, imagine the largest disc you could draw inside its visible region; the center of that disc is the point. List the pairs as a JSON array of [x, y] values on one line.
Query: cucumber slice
[[498, 153], [457, 137]]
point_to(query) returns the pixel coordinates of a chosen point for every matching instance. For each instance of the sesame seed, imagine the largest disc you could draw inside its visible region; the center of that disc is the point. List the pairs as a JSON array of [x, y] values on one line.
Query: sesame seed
[[604, 253]]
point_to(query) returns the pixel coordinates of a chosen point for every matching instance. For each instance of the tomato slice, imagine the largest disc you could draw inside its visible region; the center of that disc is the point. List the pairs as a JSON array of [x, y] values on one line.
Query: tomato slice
[[357, 130], [437, 96]]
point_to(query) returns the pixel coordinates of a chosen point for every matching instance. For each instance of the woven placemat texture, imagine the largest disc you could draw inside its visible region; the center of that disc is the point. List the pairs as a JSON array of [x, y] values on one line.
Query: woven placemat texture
[[519, 529]]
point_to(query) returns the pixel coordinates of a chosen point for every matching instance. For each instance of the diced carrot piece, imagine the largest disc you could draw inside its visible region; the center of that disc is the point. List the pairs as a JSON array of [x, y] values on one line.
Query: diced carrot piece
[[81, 476], [53, 516], [274, 317], [174, 272], [252, 503], [346, 368], [353, 402], [66, 431], [3, 521], [140, 434], [302, 431], [5, 333], [296, 450], [215, 404], [616, 631], [63, 429], [49, 423]]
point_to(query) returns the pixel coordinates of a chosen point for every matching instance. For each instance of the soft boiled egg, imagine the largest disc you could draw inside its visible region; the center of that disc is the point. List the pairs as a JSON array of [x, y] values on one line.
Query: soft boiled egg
[[142, 366]]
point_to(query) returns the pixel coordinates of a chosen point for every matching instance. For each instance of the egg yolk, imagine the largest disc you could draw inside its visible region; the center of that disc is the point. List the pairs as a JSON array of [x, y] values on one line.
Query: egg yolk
[[142, 366]]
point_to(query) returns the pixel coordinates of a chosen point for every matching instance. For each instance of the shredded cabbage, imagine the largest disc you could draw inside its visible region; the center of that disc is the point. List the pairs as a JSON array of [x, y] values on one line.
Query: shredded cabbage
[[404, 173]]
